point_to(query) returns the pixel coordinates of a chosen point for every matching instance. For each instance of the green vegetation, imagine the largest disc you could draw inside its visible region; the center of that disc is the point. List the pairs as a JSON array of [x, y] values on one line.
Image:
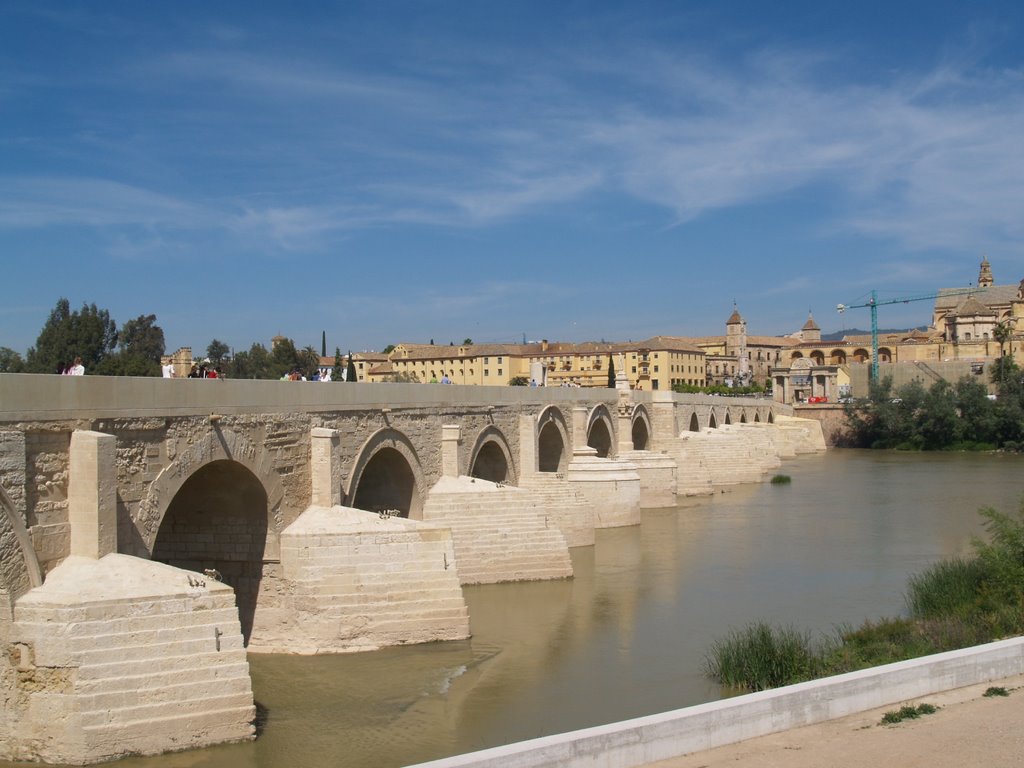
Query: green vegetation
[[908, 712], [719, 389], [760, 656], [959, 417], [781, 480], [995, 690], [953, 604]]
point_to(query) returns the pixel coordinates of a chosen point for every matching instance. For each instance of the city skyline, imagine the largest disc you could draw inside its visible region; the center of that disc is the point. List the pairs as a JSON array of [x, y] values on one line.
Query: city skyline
[[397, 172]]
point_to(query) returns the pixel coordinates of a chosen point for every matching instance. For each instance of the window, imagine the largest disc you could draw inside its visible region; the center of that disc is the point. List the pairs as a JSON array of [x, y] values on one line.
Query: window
[[487, 360], [499, 372], [499, 361], [655, 369], [487, 372], [634, 368]]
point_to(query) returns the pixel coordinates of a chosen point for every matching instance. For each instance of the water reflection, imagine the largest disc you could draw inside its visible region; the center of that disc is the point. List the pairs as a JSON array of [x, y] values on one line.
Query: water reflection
[[627, 635]]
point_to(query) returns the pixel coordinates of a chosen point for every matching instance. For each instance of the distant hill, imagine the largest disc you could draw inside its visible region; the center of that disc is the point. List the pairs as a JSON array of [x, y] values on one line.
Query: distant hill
[[838, 335]]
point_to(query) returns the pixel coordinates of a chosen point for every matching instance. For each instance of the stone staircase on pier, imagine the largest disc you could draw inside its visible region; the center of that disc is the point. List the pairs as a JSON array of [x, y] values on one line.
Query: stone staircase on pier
[[500, 533], [121, 656], [564, 504], [360, 581]]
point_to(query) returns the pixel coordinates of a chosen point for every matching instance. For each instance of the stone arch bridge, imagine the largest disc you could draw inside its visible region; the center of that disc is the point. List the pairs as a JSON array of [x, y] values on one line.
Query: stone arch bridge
[[307, 517]]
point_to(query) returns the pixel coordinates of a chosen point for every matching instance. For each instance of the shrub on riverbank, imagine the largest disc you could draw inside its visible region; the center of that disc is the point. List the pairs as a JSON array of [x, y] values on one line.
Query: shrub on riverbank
[[955, 603]]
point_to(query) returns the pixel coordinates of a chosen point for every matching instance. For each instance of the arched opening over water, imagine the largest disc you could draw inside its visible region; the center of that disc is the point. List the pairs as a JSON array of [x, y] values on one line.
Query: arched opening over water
[[218, 520], [387, 476], [599, 432], [728, 418], [492, 459], [641, 434], [387, 482], [743, 417], [694, 423], [712, 422], [771, 418], [552, 438], [757, 417]]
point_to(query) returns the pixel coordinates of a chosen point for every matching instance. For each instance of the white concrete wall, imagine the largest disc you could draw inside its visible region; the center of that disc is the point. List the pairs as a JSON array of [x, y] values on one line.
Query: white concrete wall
[[670, 734]]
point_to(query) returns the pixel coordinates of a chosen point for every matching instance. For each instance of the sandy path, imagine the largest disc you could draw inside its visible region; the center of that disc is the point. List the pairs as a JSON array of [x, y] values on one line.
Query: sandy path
[[968, 730]]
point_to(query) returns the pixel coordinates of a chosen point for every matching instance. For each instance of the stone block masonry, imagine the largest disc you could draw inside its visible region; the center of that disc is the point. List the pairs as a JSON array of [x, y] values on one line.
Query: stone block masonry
[[121, 656]]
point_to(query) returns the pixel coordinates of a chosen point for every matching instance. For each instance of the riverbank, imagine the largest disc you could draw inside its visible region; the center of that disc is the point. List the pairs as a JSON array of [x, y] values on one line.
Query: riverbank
[[967, 729]]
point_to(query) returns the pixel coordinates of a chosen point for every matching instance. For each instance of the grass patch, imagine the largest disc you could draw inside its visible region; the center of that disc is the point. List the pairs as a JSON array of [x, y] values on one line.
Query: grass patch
[[996, 690], [908, 712], [781, 480]]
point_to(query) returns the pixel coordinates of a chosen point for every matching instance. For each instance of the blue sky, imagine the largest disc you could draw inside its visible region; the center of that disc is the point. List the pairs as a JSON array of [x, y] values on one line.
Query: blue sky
[[407, 171]]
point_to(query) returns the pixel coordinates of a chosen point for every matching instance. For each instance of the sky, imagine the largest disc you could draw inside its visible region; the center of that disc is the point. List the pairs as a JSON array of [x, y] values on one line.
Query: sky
[[393, 172]]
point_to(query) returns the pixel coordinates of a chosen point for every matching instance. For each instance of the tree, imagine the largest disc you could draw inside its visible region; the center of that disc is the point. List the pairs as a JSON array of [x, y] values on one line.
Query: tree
[[140, 346], [142, 337], [937, 422], [337, 374], [10, 361], [89, 334], [217, 351], [284, 358], [467, 341], [387, 350], [611, 373], [309, 360], [251, 364], [977, 411], [350, 371]]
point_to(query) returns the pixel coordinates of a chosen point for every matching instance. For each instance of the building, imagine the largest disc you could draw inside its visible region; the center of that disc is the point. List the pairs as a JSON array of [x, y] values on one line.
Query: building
[[658, 363]]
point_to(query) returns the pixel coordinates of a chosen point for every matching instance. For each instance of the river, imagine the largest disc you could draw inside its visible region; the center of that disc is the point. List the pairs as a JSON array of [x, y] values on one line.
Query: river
[[627, 636]]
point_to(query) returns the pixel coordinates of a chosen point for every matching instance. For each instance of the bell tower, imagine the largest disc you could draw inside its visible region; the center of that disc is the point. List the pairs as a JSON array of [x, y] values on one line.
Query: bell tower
[[985, 274]]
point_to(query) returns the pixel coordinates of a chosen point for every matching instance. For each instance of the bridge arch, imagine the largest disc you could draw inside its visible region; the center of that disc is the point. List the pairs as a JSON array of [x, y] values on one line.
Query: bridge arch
[[552, 440], [218, 444], [20, 570], [712, 421], [728, 417], [491, 458], [218, 519], [641, 428], [743, 417], [387, 474], [694, 423], [600, 433]]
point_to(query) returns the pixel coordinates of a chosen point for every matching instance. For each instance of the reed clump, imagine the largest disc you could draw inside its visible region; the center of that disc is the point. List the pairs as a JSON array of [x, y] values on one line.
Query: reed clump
[[781, 480]]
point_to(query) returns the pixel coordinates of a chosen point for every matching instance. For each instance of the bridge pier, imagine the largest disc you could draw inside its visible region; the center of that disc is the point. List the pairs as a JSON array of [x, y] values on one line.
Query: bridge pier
[[114, 655]]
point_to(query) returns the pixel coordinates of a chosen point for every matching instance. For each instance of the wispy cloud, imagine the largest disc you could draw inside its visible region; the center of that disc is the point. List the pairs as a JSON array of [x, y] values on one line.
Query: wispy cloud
[[930, 160]]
